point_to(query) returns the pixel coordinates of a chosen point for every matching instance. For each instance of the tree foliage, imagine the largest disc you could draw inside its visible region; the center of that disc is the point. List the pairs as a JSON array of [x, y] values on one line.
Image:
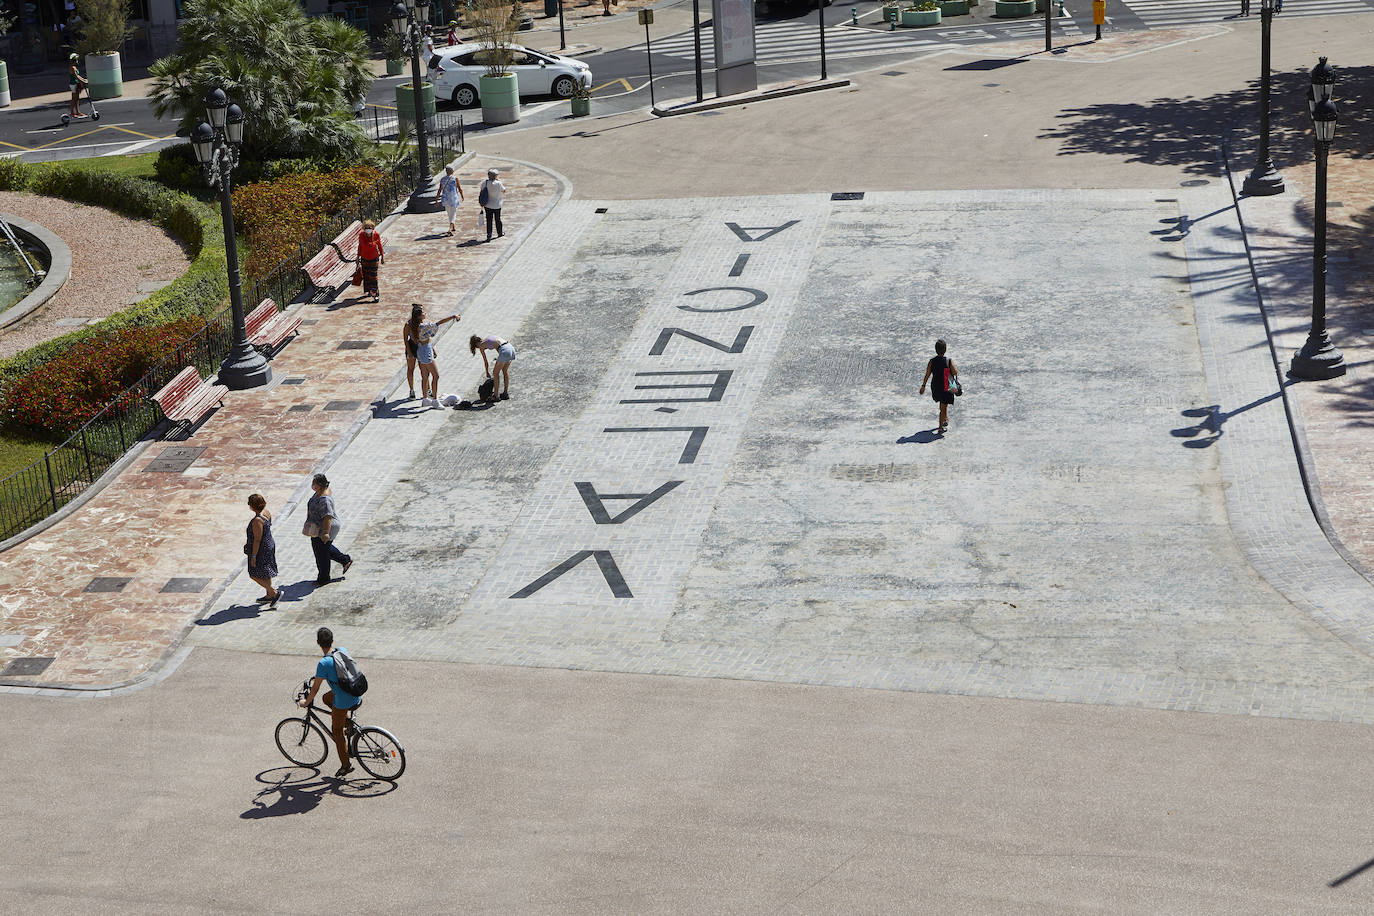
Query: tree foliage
[[295, 77], [104, 25]]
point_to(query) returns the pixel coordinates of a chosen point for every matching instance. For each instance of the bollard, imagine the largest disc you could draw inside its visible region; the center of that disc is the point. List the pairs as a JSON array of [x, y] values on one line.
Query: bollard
[[854, 14], [892, 25]]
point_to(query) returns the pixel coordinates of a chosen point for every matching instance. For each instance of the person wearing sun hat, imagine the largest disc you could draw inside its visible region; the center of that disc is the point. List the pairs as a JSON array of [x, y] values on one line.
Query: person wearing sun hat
[[74, 81], [453, 38]]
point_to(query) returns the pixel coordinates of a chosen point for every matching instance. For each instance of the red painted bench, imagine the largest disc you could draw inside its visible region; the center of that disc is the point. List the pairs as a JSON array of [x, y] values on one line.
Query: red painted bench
[[187, 398], [331, 268], [269, 328]]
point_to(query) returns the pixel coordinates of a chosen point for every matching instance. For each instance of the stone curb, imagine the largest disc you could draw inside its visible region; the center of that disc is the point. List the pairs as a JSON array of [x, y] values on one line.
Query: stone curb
[[761, 95], [59, 271], [1307, 467]]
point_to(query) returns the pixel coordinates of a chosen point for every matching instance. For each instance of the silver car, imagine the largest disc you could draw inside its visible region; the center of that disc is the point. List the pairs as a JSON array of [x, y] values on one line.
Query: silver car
[[538, 72]]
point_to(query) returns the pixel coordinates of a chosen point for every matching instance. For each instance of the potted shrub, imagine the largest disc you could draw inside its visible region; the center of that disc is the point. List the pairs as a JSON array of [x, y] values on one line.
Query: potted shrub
[[104, 29], [922, 13], [891, 11], [498, 88], [953, 8], [6, 23], [1014, 9], [582, 98], [394, 49]]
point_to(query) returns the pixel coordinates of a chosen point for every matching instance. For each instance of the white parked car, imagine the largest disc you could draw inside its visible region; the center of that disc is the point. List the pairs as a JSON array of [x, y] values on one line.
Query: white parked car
[[539, 73]]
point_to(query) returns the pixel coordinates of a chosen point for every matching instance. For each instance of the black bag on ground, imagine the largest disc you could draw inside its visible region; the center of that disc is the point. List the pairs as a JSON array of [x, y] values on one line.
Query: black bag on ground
[[346, 672], [487, 389]]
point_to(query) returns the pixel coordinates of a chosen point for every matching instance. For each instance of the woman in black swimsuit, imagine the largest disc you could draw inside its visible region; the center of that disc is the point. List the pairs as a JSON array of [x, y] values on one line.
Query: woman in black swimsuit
[[942, 390]]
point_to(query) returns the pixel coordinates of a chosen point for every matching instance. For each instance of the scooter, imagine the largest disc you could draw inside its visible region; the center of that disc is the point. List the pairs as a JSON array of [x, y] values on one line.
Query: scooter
[[95, 115]]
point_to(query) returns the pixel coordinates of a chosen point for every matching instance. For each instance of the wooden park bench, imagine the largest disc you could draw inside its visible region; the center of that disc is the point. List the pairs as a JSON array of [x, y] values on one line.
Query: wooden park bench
[[331, 268], [268, 328], [187, 398]]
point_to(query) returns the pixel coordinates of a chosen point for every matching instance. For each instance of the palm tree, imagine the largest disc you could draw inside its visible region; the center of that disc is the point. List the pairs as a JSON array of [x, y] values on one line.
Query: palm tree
[[295, 77]]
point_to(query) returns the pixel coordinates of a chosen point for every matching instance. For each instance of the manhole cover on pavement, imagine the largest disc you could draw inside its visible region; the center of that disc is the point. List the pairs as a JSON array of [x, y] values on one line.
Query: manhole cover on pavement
[[1193, 183], [355, 345], [107, 584], [26, 667], [186, 586], [343, 405]]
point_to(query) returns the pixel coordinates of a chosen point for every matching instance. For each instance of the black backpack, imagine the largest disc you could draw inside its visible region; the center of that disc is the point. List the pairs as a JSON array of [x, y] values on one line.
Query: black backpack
[[346, 672], [487, 390]]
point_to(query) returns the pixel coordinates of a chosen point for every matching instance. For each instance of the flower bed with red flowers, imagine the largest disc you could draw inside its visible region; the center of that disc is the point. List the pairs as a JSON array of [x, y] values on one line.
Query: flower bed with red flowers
[[57, 397], [278, 215]]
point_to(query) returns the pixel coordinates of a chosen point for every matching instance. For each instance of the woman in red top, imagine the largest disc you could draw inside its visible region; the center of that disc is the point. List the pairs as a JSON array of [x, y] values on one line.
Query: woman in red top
[[370, 257]]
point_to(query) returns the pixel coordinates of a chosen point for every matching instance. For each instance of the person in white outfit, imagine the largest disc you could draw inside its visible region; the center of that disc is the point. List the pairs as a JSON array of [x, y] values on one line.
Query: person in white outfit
[[491, 197], [451, 194]]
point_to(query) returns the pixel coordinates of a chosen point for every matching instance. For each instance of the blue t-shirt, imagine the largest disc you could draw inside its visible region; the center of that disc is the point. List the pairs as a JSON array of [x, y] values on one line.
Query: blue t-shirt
[[325, 669]]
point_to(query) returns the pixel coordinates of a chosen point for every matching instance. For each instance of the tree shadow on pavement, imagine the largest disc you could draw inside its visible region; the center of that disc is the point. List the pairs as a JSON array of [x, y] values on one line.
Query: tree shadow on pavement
[[1185, 132], [300, 790]]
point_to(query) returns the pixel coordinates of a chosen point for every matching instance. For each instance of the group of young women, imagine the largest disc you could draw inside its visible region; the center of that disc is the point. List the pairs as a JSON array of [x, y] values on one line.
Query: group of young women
[[418, 336]]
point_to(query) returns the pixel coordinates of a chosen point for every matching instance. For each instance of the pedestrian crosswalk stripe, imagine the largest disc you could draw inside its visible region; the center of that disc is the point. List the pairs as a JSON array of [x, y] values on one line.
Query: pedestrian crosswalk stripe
[[1164, 13]]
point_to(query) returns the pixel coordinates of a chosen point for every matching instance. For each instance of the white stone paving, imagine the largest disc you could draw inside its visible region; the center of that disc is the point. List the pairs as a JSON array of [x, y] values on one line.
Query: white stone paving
[[1063, 543]]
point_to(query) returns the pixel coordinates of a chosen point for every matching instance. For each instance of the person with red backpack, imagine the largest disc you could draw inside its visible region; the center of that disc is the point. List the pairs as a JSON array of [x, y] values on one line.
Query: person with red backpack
[[946, 384], [334, 666]]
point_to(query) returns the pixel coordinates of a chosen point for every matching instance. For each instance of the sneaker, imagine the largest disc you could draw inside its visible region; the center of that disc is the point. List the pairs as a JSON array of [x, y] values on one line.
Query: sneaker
[[412, 395], [505, 395], [343, 771]]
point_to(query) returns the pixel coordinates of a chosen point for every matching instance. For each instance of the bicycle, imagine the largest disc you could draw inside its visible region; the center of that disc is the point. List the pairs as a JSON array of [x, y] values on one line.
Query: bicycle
[[305, 739]]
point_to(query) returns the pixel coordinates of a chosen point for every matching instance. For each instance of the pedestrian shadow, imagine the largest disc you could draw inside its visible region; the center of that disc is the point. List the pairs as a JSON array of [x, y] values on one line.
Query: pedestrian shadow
[[1212, 420], [348, 302], [923, 437], [469, 243], [399, 409], [232, 613], [432, 237], [300, 790], [296, 591]]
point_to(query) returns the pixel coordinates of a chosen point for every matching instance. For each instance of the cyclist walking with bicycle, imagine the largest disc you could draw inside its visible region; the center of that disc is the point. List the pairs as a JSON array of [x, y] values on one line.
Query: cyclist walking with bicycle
[[339, 701]]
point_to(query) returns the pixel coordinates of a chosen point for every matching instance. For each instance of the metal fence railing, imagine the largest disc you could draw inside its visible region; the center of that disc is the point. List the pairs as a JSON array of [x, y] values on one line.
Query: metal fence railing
[[30, 495]]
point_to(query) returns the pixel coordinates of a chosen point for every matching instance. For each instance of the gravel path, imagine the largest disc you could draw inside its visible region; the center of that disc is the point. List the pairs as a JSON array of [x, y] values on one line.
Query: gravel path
[[115, 262]]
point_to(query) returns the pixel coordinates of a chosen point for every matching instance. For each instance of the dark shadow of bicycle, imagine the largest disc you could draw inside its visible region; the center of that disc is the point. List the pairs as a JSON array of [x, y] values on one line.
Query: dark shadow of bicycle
[[299, 790]]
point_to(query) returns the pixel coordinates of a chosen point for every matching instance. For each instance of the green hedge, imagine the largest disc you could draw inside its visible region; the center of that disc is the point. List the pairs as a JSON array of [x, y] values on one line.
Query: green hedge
[[200, 291]]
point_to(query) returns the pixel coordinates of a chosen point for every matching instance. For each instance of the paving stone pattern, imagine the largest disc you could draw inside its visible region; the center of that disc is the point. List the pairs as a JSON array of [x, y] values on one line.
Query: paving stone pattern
[[1068, 540], [149, 528]]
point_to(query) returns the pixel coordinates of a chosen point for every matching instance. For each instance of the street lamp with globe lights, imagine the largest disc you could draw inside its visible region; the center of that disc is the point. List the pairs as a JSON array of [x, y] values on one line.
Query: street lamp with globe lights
[[216, 145], [405, 19], [1319, 358], [1264, 180]]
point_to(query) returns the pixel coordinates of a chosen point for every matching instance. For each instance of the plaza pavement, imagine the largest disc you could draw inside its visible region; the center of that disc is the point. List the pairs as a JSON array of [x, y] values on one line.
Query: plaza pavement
[[1064, 543]]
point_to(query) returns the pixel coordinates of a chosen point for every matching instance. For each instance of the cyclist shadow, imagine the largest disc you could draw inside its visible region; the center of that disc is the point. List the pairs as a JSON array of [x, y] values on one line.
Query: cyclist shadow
[[300, 790]]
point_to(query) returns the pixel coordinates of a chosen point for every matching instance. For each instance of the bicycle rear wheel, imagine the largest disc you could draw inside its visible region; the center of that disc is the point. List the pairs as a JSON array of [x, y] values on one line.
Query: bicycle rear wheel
[[301, 741], [379, 753]]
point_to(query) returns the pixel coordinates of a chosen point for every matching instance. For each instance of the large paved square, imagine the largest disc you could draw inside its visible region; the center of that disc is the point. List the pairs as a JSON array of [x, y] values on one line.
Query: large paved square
[[715, 462]]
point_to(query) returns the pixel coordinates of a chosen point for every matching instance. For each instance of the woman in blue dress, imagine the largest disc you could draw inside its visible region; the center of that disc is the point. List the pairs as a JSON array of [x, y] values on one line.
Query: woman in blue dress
[[262, 549]]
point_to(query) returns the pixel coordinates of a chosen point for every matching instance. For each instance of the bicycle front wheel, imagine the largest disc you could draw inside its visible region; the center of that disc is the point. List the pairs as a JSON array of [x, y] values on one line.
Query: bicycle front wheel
[[301, 742], [379, 753]]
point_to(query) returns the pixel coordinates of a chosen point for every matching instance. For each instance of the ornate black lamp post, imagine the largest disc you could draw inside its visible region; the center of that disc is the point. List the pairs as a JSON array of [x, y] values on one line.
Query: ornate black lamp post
[[1318, 358], [406, 19], [216, 145], [1264, 179]]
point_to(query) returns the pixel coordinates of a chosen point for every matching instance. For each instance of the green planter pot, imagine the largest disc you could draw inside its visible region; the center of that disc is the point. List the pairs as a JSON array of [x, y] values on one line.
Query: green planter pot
[[1014, 9], [581, 107], [890, 13], [395, 67], [105, 76], [4, 85], [405, 102], [952, 8], [919, 18], [500, 99]]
